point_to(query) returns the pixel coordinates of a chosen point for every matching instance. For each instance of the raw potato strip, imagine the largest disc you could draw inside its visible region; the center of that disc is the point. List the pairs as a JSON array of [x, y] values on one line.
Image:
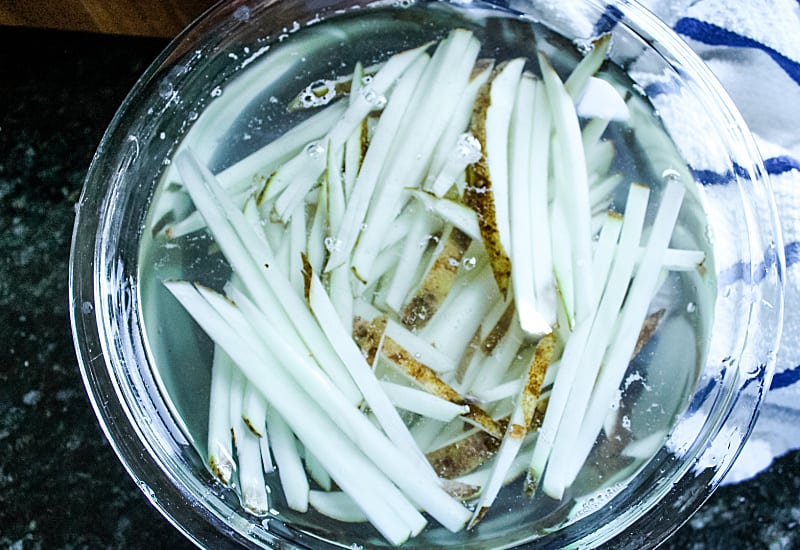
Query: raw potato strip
[[422, 403], [377, 155], [487, 179], [290, 466], [521, 229], [254, 410], [252, 486], [240, 178], [589, 360], [270, 289], [430, 111], [568, 371], [359, 369], [427, 378], [407, 339], [540, 247], [587, 67], [337, 505], [220, 450], [293, 180], [311, 418], [450, 211], [415, 246], [572, 193], [457, 149], [438, 280], [354, 146], [631, 320], [455, 323], [521, 419]]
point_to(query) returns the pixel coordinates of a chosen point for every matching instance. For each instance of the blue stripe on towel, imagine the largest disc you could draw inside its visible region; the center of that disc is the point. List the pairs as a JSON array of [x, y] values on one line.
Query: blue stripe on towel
[[781, 164], [738, 270], [608, 20], [713, 35], [774, 166], [785, 378]]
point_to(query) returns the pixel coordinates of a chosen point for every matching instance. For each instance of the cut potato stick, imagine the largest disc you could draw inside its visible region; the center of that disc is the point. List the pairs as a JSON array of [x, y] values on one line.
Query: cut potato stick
[[303, 170], [241, 245], [422, 403], [317, 234], [416, 244], [604, 252], [587, 67], [287, 457], [254, 409], [220, 450], [464, 455], [452, 212], [455, 150], [252, 486], [487, 190], [438, 280], [297, 247], [496, 393], [517, 429], [631, 321], [315, 427], [354, 146], [572, 192], [377, 155], [600, 335], [317, 471], [522, 227], [540, 247], [359, 369], [337, 505], [430, 111]]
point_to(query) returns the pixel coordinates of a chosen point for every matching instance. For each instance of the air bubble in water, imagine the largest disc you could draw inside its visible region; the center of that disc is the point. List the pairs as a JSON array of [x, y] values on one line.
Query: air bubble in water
[[468, 148], [166, 89], [470, 263], [318, 93], [670, 174], [373, 98], [87, 308], [192, 116], [315, 149], [332, 244], [691, 307], [216, 92], [242, 13]]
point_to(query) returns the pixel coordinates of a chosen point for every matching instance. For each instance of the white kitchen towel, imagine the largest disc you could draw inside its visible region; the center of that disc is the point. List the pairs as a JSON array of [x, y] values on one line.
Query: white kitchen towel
[[753, 48]]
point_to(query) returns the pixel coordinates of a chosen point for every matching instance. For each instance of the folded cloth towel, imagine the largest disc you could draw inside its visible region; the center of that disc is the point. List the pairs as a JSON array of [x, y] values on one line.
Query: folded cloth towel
[[754, 50]]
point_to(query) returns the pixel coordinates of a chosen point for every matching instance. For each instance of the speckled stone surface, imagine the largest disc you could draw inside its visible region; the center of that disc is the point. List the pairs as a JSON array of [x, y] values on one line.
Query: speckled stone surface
[[61, 485]]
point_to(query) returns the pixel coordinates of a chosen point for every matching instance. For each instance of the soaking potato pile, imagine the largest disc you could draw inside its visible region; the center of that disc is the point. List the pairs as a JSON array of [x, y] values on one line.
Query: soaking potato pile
[[432, 291]]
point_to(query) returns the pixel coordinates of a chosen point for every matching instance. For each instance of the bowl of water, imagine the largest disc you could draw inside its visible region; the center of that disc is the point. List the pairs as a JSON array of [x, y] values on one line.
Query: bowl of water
[[426, 273]]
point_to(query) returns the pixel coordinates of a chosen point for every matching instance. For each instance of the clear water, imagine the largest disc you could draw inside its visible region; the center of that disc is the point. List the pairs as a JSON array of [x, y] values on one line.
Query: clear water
[[658, 381]]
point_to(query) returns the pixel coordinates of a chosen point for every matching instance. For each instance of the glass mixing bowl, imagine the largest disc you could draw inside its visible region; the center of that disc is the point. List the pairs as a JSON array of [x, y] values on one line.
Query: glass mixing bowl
[[118, 336]]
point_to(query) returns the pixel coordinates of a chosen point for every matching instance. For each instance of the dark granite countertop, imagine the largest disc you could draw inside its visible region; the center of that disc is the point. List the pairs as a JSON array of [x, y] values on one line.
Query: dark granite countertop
[[61, 485]]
